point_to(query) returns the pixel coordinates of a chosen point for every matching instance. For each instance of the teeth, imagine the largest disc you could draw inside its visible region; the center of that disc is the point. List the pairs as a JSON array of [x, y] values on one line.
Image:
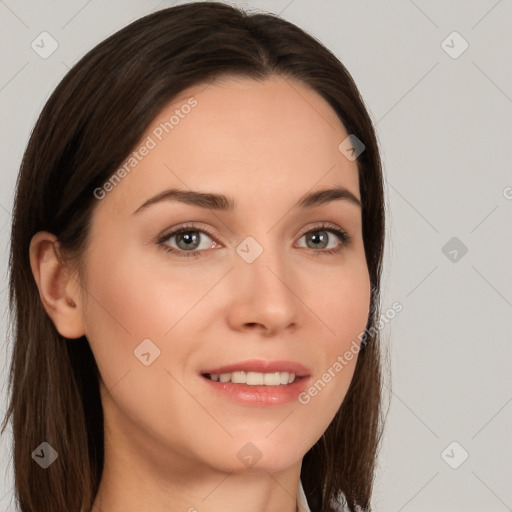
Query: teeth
[[254, 378]]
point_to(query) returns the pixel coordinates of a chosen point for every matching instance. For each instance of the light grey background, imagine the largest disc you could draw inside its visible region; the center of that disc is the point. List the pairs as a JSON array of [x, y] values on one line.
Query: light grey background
[[444, 126]]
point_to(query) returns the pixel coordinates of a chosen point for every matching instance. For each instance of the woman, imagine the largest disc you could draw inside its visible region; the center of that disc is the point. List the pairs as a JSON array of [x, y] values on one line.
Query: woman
[[195, 274]]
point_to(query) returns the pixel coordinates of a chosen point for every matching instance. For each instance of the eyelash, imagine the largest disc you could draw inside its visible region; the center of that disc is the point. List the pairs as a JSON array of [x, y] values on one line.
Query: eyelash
[[342, 235]]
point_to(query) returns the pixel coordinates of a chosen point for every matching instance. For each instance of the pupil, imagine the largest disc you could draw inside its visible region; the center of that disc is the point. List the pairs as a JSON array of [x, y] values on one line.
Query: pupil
[[321, 237], [188, 238]]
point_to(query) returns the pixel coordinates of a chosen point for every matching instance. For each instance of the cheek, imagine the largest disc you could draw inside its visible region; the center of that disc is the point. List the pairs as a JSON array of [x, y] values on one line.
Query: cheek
[[343, 309], [134, 296], [343, 304], [128, 302]]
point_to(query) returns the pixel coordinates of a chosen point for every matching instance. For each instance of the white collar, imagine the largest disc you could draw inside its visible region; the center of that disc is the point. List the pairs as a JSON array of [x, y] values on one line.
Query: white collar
[[302, 502]]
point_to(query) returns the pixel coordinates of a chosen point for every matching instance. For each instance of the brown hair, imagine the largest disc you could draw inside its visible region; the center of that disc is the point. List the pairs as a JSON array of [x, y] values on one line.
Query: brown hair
[[87, 128]]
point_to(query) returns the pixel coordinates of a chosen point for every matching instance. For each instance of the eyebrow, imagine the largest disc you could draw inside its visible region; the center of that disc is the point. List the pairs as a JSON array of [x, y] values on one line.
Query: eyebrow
[[224, 203]]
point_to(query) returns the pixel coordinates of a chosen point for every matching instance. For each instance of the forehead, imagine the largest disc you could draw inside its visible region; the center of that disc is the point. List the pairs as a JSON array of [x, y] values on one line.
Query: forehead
[[255, 140]]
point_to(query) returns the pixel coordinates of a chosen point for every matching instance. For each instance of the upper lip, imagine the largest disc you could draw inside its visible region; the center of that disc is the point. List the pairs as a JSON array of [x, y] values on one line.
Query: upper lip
[[261, 366]]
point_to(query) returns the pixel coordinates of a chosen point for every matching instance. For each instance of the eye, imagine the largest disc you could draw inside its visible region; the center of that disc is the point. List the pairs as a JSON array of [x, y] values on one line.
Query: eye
[[187, 240], [320, 236], [190, 241]]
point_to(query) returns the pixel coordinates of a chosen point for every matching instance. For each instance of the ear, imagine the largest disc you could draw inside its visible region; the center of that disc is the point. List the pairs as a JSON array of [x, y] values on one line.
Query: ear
[[58, 289]]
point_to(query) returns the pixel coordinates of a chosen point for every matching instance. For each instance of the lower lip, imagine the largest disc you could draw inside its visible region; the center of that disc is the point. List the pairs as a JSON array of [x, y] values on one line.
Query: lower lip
[[261, 396]]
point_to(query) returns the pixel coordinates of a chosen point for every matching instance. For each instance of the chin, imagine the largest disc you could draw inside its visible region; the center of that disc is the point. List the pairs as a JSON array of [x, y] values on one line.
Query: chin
[[261, 455]]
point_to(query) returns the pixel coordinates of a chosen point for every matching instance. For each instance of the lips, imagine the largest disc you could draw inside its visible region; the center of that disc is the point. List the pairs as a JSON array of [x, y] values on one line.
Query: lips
[[241, 383], [260, 366]]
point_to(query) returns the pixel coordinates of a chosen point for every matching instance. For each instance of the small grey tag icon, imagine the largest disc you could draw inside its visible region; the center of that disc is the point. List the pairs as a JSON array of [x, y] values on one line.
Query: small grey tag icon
[[454, 249], [249, 455], [454, 45], [44, 455], [44, 45], [454, 455], [351, 147]]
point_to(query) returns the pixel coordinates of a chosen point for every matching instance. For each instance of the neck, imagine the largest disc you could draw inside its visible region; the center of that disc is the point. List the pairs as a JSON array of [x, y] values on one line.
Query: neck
[[132, 489]]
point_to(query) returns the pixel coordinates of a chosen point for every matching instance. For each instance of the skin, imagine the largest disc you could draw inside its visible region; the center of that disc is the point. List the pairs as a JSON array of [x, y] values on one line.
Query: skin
[[170, 444]]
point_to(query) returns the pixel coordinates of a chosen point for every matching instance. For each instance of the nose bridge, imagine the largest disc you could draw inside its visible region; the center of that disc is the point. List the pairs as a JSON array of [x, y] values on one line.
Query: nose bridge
[[263, 256], [265, 296]]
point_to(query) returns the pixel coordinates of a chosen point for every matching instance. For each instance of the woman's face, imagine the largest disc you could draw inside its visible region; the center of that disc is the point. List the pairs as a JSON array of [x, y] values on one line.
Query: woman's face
[[250, 283]]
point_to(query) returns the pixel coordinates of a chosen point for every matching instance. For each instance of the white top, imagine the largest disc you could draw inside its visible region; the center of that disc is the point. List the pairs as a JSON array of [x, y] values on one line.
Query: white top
[[302, 502]]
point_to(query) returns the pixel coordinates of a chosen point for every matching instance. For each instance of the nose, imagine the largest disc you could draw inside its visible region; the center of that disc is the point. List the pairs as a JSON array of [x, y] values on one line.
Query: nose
[[265, 294]]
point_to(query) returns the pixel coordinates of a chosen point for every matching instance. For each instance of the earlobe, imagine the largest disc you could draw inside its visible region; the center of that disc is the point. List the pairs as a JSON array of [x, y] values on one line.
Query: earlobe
[[58, 289]]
